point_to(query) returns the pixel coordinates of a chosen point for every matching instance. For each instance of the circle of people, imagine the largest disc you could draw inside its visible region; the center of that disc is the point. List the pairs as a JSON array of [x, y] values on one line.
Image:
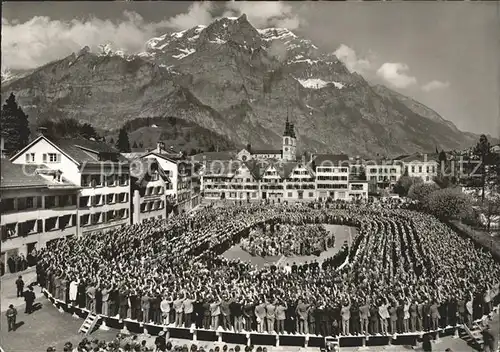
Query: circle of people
[[406, 272], [288, 240]]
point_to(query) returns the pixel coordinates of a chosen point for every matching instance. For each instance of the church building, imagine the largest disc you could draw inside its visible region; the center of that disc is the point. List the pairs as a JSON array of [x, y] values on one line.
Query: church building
[[288, 151]]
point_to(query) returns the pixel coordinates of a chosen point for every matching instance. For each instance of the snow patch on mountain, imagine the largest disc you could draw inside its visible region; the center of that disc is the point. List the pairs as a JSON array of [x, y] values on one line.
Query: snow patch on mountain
[[218, 41], [318, 83], [107, 50], [186, 52], [308, 61], [269, 34]]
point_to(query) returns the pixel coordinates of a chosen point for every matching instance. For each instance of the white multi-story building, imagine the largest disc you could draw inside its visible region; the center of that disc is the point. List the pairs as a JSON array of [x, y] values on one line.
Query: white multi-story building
[[299, 181], [99, 170], [180, 172], [383, 173], [149, 184], [332, 176], [420, 165], [38, 205]]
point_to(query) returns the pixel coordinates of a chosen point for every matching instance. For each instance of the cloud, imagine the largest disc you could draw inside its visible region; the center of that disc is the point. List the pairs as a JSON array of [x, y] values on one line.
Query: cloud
[[198, 13], [394, 74], [349, 57], [42, 39], [433, 85], [262, 14]]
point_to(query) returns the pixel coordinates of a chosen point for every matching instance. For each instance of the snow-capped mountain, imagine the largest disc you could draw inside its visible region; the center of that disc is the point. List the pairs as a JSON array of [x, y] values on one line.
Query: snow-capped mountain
[[240, 81]]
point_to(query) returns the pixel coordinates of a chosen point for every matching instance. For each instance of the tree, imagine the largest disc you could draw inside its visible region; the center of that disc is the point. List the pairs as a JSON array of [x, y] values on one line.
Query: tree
[[448, 203], [141, 144], [111, 141], [123, 144], [420, 191], [135, 145], [14, 123], [87, 131], [482, 150], [404, 183]]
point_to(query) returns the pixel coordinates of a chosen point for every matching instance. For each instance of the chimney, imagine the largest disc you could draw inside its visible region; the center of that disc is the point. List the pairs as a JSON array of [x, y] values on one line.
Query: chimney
[[42, 131], [249, 148], [160, 146]]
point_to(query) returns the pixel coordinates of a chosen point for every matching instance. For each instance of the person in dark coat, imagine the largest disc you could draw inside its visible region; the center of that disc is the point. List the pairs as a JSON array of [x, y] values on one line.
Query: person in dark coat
[[81, 295], [29, 298], [20, 286], [426, 344], [12, 265]]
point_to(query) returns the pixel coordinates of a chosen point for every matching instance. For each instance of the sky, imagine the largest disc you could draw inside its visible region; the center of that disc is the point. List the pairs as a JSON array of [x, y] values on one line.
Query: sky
[[445, 55]]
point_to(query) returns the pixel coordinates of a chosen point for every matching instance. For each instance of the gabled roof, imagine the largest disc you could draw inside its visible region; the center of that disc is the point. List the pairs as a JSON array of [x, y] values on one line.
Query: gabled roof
[[224, 155], [84, 150], [266, 151], [330, 159], [166, 156], [29, 176], [285, 168], [256, 168], [35, 141], [418, 157], [225, 168], [140, 168]]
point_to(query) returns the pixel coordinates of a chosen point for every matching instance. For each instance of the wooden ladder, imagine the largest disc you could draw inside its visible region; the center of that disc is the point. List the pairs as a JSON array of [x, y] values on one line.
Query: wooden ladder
[[474, 335], [89, 323], [332, 340]]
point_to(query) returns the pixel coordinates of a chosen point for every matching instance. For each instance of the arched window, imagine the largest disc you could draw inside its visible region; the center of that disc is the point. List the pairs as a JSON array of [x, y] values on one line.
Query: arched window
[[286, 141]]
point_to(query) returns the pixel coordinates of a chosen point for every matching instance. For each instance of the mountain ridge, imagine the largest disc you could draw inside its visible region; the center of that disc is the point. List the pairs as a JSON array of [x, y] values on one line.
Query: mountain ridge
[[241, 82]]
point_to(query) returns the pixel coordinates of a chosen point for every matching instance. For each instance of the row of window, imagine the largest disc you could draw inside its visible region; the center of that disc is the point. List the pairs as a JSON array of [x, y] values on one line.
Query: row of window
[[152, 206], [333, 186], [46, 158], [103, 217], [153, 191], [32, 227], [101, 180], [428, 169], [39, 202], [332, 169], [383, 179], [332, 178], [382, 170], [101, 199]]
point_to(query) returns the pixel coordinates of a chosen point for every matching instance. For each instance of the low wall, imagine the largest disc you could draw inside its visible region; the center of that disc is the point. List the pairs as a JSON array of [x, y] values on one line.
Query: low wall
[[246, 338]]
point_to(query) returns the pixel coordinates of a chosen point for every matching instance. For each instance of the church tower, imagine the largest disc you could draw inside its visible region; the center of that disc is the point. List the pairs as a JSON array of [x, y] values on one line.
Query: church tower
[[289, 148]]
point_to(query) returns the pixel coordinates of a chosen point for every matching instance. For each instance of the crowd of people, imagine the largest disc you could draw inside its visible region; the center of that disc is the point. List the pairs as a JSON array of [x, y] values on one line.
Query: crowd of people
[[406, 272], [133, 343], [17, 263], [288, 240]]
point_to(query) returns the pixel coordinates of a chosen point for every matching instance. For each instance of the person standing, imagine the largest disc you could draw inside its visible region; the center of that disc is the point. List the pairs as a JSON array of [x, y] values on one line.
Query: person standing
[[281, 308], [145, 306], [260, 314], [270, 316], [187, 306], [165, 310], [29, 298], [346, 316], [20, 286], [178, 309], [364, 315], [11, 315]]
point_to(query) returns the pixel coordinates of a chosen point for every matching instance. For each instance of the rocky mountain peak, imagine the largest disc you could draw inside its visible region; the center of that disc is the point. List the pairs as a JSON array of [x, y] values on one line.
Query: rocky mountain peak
[[234, 29]]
